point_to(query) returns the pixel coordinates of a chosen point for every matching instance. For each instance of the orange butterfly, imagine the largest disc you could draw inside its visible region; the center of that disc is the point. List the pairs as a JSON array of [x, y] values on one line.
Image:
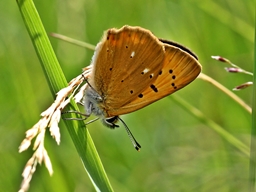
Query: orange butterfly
[[131, 68]]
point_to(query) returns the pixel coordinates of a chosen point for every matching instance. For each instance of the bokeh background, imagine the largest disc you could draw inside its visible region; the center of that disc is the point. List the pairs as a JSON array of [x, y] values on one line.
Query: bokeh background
[[179, 153]]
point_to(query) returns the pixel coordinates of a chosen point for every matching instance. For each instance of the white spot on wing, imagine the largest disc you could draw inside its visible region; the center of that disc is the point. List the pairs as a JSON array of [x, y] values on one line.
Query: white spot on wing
[[132, 54], [146, 70]]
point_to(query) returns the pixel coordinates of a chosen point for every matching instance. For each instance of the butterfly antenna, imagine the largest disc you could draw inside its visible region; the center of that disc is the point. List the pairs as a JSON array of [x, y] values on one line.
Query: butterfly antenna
[[86, 80], [132, 138]]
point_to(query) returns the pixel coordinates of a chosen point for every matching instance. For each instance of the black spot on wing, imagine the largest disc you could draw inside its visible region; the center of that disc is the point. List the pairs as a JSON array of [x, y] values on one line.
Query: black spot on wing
[[174, 86], [153, 87]]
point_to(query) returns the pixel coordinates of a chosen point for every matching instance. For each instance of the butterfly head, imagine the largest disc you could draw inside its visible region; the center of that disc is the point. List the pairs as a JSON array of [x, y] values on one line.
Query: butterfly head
[[94, 104]]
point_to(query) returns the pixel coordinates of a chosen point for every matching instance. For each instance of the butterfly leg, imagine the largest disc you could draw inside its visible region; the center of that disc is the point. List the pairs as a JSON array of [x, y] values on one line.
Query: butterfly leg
[[85, 116]]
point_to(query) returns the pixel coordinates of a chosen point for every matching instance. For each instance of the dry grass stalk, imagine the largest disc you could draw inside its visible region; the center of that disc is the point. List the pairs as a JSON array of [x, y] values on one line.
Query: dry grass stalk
[[50, 119]]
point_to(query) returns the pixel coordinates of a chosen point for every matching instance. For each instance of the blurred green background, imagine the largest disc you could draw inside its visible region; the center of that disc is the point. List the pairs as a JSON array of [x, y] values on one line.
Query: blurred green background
[[179, 153]]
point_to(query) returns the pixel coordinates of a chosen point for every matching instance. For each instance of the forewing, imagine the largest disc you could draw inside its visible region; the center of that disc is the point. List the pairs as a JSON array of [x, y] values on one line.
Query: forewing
[[126, 61]]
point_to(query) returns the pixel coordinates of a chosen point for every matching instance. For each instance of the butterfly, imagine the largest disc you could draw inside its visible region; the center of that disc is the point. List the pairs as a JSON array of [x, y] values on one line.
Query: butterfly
[[131, 68]]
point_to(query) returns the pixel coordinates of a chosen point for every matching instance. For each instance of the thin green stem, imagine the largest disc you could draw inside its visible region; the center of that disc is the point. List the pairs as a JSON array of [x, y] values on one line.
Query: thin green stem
[[74, 41], [221, 131], [226, 91]]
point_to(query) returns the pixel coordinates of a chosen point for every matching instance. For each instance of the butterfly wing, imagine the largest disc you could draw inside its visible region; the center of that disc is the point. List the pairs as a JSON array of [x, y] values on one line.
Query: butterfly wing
[[125, 62], [179, 69]]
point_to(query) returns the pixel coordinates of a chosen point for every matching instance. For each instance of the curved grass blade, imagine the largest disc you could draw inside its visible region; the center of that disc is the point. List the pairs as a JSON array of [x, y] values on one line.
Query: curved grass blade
[[56, 79]]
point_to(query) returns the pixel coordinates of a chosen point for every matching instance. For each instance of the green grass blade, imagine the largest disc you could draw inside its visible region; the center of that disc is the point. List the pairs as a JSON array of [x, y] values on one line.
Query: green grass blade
[[56, 80]]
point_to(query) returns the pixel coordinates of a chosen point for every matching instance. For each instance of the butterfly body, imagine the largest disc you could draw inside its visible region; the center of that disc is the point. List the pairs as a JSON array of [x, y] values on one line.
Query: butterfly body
[[132, 69]]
